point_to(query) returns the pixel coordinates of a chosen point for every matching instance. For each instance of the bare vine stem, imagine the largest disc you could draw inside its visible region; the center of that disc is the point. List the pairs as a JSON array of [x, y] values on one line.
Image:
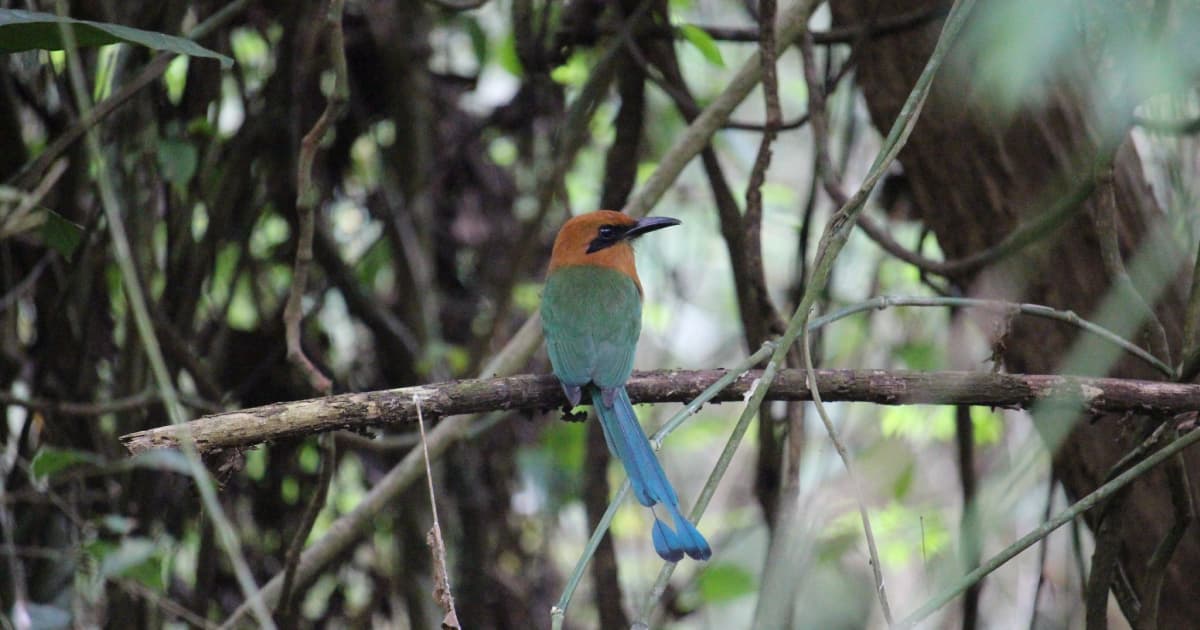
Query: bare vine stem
[[863, 514], [307, 198]]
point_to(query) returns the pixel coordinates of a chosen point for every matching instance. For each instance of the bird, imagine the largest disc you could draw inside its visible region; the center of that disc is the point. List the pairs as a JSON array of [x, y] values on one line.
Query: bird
[[591, 318]]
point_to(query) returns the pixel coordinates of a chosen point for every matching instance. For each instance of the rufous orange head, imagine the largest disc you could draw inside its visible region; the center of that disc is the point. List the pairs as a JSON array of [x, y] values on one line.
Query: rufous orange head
[[603, 238]]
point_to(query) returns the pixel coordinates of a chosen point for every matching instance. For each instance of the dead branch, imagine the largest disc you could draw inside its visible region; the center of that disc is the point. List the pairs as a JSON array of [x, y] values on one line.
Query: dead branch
[[358, 411]]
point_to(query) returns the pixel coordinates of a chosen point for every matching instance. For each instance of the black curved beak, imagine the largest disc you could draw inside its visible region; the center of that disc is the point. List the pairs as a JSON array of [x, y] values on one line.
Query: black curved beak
[[649, 224]]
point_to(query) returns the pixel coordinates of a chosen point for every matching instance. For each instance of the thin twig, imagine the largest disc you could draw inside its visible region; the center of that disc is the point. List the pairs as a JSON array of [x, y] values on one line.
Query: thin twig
[[1104, 217], [1041, 226], [307, 197], [1104, 562], [1183, 127], [820, 122], [1043, 550], [286, 608], [868, 532], [16, 569], [1033, 310], [26, 283], [166, 604], [441, 588], [459, 5], [687, 104], [145, 330], [1183, 512], [1191, 327], [751, 219], [1083, 505], [30, 200], [969, 525]]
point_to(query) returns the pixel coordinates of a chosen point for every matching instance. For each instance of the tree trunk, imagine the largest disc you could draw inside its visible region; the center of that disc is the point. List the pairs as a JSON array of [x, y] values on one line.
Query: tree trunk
[[974, 173]]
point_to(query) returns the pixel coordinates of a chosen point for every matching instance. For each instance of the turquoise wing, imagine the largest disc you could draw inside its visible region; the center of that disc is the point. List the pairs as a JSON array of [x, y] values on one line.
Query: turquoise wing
[[592, 317]]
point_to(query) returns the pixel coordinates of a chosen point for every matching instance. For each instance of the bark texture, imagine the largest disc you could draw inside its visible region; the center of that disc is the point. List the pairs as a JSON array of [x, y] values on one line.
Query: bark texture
[[358, 411], [973, 173]]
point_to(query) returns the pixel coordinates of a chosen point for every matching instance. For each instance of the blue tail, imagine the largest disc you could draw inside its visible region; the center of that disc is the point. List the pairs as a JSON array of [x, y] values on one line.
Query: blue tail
[[628, 443]]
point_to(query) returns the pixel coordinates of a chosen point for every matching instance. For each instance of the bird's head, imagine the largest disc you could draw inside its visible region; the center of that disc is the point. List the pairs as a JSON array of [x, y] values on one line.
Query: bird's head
[[602, 238]]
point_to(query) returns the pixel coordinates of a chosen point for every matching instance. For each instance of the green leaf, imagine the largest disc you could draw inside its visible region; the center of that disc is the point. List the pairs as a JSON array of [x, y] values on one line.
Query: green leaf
[[310, 458], [61, 235], [479, 39], [28, 30], [177, 159], [723, 582], [49, 461], [506, 56], [573, 73], [704, 43], [903, 482], [289, 490]]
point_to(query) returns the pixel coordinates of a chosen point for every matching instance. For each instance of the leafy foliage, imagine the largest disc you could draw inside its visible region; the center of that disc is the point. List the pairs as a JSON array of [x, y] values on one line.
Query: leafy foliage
[[30, 30]]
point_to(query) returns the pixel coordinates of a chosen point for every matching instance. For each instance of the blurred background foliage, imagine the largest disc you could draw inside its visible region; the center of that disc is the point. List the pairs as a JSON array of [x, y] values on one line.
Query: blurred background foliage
[[433, 231]]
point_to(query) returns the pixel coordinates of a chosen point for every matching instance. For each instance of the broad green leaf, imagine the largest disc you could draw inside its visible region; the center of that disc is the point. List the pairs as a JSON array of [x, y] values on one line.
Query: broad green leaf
[[256, 463], [903, 482], [49, 461], [28, 30], [61, 235], [243, 312], [704, 43], [506, 56], [723, 582], [289, 490], [310, 458], [175, 78], [574, 72]]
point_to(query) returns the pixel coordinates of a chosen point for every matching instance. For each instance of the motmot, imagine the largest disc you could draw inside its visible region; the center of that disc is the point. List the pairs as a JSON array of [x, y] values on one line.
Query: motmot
[[592, 317]]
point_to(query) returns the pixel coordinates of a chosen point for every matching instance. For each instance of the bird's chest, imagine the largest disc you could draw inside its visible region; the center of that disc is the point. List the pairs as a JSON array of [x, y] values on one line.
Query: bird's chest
[[592, 318], [596, 298]]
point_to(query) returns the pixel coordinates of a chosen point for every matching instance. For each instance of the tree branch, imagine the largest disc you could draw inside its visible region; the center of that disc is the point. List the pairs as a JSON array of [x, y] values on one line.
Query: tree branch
[[247, 427]]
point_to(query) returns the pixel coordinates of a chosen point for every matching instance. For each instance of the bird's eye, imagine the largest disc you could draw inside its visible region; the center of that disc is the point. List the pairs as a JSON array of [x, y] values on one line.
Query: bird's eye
[[607, 232]]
